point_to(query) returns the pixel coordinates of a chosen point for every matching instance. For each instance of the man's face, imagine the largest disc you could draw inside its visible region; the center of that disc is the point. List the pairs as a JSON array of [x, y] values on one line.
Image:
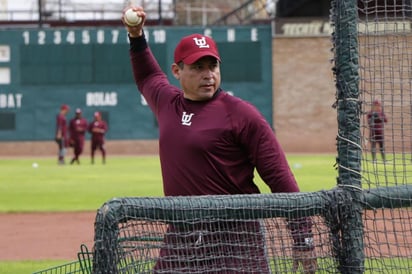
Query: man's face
[[199, 80]]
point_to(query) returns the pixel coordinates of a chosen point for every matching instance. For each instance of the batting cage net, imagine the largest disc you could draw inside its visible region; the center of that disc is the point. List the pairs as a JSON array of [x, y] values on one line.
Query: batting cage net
[[385, 97], [361, 226]]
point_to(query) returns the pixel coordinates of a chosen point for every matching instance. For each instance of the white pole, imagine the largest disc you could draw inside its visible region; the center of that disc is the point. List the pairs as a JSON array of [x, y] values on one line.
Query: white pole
[[3, 9]]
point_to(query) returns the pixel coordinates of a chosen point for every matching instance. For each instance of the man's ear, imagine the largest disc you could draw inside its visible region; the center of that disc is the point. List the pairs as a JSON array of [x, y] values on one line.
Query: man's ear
[[176, 71]]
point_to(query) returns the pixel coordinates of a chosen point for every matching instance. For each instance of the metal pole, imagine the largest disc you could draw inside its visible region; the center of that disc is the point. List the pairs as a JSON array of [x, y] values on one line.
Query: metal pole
[[40, 4], [160, 13], [350, 250]]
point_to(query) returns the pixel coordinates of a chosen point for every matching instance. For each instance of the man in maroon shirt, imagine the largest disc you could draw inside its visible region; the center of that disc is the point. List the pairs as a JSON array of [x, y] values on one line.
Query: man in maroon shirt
[[61, 133], [376, 121], [210, 143], [98, 128], [77, 129]]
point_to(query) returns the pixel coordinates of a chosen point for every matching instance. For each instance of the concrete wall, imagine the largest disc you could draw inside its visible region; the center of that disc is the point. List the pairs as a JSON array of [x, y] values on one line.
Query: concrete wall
[[304, 92]]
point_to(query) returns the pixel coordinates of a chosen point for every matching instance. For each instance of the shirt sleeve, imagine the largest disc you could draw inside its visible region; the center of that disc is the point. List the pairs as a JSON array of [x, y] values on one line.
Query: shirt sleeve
[[264, 150], [137, 44], [151, 81]]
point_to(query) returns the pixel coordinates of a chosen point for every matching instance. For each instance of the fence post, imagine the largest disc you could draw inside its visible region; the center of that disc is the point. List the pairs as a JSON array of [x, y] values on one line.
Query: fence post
[[349, 249]]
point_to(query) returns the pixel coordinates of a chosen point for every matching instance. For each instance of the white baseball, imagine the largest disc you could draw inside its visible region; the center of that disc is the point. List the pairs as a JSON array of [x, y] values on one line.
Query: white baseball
[[131, 18]]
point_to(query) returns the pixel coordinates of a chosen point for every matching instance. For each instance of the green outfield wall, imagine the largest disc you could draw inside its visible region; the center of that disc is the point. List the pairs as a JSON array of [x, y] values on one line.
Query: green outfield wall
[[89, 68]]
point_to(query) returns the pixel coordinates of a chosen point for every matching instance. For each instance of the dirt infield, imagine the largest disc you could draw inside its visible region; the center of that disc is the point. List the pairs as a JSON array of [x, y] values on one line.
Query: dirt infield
[[37, 236]]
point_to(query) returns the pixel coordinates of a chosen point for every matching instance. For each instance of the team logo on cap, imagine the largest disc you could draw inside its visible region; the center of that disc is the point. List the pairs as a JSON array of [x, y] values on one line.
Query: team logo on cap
[[201, 42]]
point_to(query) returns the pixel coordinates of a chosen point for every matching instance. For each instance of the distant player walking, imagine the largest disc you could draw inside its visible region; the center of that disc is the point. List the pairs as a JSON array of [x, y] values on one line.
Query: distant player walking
[[98, 129], [376, 120], [77, 127], [61, 133]]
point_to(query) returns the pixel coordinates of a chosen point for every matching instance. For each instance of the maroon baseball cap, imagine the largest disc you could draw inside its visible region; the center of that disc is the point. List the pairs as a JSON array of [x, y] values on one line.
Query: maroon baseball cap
[[64, 107], [193, 47]]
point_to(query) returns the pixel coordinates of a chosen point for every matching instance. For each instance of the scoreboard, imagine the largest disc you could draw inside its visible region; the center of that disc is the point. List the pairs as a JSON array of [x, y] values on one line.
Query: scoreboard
[[89, 68]]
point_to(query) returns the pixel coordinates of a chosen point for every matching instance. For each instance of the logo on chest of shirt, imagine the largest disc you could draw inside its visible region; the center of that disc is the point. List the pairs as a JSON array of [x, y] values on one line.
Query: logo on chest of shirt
[[186, 118]]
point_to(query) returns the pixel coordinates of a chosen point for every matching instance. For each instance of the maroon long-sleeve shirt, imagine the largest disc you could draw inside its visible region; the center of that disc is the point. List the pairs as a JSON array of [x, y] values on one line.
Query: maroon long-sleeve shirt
[[78, 128], [209, 147], [101, 129], [376, 121], [61, 126]]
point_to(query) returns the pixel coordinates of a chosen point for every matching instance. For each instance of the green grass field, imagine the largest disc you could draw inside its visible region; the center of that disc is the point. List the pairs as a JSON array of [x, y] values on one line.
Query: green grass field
[[49, 187]]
